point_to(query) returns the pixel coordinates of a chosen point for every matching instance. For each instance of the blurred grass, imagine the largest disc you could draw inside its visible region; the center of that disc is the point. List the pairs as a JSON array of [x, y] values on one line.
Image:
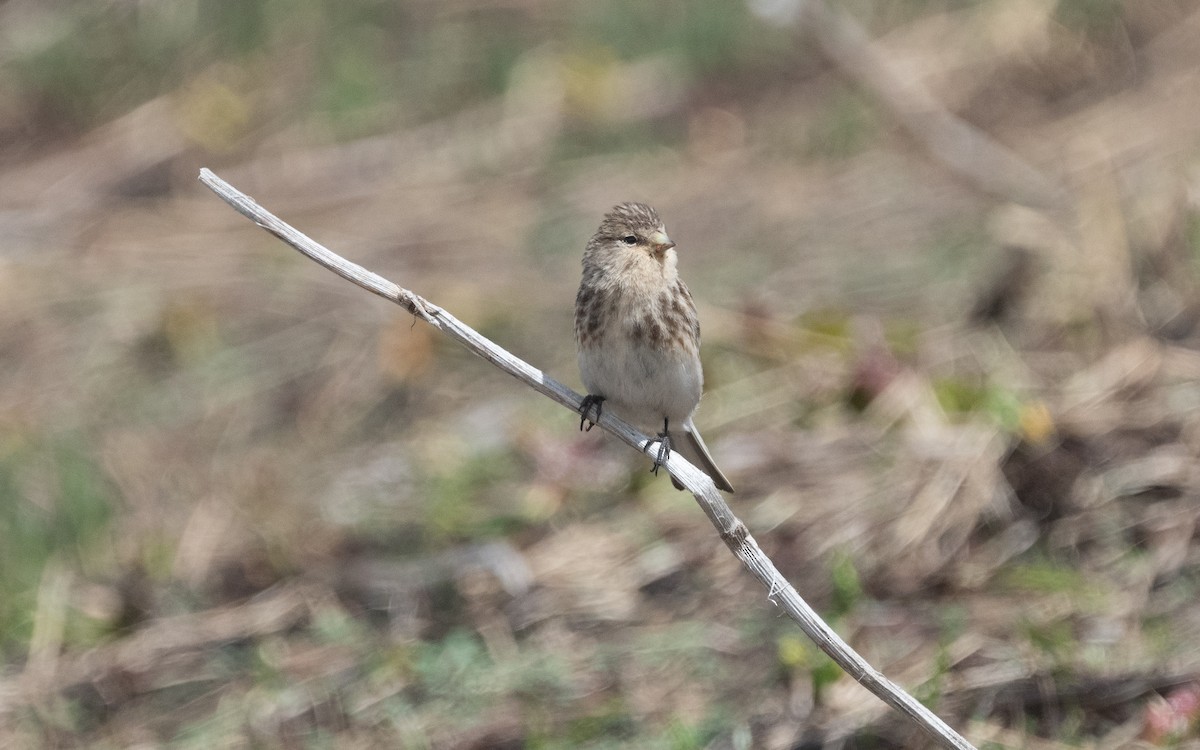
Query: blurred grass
[[58, 511], [355, 68], [1089, 15], [200, 416]]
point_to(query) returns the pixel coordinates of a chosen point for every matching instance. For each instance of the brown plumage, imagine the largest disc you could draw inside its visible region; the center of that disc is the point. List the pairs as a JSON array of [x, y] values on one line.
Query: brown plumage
[[638, 335]]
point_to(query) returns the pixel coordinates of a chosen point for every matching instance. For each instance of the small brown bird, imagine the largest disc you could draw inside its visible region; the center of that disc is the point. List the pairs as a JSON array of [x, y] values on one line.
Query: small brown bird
[[638, 335]]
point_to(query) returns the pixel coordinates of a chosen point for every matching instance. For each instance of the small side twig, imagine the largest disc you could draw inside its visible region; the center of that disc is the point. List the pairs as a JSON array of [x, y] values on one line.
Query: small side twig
[[732, 531]]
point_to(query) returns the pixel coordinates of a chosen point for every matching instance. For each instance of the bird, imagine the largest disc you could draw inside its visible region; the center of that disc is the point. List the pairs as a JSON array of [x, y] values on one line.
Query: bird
[[638, 336]]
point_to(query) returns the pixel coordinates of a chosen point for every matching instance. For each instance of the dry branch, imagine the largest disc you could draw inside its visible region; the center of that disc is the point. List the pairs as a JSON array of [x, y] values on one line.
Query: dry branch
[[732, 531]]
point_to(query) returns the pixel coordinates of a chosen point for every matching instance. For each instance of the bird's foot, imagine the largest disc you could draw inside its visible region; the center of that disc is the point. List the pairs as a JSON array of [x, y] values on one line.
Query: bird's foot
[[589, 403], [663, 453]]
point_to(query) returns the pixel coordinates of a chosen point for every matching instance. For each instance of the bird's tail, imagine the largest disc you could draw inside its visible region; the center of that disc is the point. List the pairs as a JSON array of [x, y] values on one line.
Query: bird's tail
[[692, 446]]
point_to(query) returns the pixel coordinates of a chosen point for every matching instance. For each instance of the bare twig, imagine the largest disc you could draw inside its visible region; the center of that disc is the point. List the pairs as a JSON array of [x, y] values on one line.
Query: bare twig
[[733, 532]]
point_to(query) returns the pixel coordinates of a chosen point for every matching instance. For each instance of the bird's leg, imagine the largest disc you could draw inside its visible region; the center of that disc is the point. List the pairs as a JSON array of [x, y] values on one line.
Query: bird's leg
[[585, 410], [664, 447]]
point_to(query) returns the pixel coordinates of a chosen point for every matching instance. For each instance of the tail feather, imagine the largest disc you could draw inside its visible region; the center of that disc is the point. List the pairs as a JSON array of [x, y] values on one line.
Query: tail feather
[[692, 446]]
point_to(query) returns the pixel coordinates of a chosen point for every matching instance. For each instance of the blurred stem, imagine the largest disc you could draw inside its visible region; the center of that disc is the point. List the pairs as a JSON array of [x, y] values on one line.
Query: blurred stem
[[964, 149]]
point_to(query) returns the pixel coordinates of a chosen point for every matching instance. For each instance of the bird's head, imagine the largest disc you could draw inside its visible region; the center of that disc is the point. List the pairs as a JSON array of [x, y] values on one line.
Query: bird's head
[[632, 228]]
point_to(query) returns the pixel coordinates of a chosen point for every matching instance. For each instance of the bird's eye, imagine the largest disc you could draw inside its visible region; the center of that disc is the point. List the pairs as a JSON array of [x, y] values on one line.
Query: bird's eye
[[629, 239]]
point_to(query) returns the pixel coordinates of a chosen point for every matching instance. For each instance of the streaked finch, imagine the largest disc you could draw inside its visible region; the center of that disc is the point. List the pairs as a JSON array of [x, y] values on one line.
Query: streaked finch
[[638, 335]]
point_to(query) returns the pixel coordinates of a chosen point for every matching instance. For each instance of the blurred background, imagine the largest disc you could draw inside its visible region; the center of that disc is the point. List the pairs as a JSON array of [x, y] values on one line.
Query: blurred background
[[946, 258]]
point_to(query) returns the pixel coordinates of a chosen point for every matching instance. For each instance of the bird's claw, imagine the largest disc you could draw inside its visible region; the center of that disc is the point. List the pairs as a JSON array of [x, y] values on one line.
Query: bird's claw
[[585, 410], [663, 453]]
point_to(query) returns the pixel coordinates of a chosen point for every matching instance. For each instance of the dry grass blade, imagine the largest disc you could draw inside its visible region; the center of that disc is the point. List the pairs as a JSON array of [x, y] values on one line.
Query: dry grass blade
[[732, 530], [277, 610]]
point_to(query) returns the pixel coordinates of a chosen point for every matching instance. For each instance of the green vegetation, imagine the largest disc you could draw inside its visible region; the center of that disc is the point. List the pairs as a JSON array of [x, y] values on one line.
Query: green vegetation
[[55, 517]]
